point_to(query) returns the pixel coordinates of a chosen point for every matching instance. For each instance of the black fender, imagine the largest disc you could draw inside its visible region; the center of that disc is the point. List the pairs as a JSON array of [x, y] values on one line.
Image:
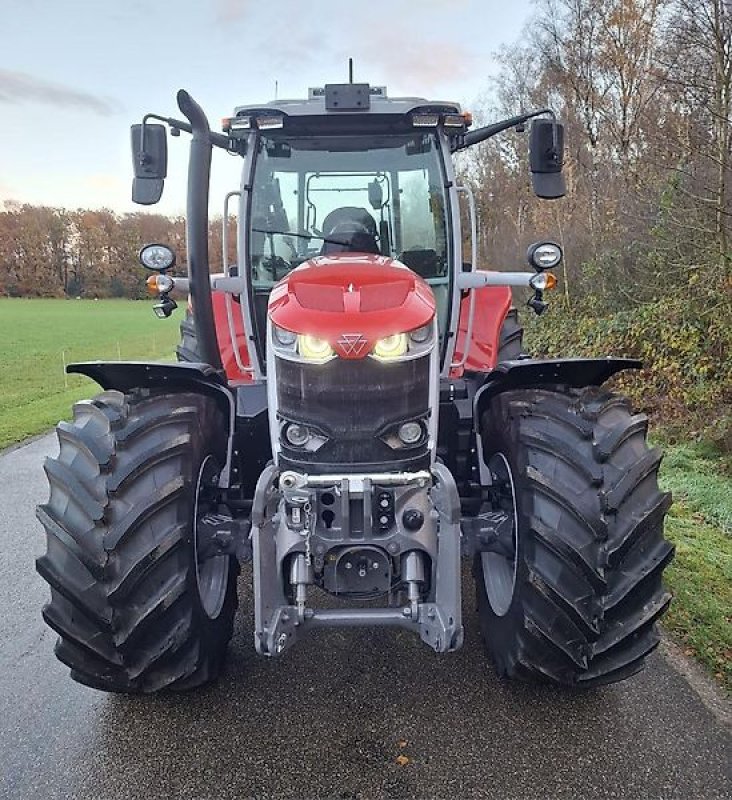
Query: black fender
[[124, 376], [532, 372]]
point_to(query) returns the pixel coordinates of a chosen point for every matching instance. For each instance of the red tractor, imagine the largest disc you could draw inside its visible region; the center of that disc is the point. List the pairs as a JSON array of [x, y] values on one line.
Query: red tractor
[[353, 412]]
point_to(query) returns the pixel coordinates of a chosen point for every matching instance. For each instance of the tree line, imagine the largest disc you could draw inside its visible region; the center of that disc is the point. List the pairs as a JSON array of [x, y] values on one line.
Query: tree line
[[644, 88], [54, 252]]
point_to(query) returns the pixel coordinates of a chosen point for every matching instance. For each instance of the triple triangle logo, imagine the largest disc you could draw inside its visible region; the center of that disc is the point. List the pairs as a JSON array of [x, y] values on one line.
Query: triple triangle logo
[[352, 344]]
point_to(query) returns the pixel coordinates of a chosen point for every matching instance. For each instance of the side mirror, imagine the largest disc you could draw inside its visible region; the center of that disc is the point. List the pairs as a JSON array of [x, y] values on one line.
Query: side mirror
[[546, 159], [149, 162], [376, 195]]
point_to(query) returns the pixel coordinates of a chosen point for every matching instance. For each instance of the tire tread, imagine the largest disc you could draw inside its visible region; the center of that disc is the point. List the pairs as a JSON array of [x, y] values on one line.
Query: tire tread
[[119, 554], [590, 611]]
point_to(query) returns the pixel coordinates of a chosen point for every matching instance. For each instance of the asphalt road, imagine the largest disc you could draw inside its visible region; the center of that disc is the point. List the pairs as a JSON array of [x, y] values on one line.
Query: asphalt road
[[332, 718]]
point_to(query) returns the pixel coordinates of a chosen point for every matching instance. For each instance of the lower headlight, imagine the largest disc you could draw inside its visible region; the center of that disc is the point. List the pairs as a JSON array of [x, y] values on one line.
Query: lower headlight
[[407, 435], [297, 435], [410, 432]]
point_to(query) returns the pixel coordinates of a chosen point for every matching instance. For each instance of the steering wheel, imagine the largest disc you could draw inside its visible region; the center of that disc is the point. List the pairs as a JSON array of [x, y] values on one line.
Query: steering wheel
[[277, 267]]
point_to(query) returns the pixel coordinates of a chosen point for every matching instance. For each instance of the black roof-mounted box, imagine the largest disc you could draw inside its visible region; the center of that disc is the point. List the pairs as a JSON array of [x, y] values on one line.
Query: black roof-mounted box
[[347, 97]]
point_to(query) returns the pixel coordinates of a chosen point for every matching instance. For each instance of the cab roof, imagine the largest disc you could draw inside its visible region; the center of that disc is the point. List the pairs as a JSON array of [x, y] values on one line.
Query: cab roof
[[341, 99]]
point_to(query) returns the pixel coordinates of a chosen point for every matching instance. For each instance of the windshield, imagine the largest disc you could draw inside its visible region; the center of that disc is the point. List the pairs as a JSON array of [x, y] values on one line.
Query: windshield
[[319, 196]]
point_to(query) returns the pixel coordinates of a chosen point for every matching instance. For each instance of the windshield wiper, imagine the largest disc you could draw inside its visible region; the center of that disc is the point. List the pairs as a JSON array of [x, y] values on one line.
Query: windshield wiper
[[307, 236]]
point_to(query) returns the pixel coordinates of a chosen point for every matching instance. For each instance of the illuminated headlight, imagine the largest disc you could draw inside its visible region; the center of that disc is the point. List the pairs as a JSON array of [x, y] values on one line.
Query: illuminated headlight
[[391, 347], [301, 346], [157, 256], [313, 348], [316, 350], [400, 346]]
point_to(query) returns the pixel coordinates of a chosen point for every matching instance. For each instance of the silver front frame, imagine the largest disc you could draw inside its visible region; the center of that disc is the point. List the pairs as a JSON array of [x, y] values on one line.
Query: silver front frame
[[436, 618]]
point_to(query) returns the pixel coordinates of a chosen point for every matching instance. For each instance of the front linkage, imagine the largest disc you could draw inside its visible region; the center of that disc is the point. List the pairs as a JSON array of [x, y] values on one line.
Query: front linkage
[[406, 536]]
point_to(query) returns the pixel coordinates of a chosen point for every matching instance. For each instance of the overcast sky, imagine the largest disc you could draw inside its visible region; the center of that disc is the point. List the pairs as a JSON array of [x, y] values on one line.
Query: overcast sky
[[74, 74]]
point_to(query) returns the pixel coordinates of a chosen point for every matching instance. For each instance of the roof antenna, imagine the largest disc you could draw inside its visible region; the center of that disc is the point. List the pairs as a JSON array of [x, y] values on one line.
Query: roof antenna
[[350, 70], [276, 89]]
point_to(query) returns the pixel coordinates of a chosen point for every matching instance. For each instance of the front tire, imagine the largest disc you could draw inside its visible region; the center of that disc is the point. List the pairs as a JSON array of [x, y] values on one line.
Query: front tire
[[510, 345], [134, 609], [573, 596], [188, 350]]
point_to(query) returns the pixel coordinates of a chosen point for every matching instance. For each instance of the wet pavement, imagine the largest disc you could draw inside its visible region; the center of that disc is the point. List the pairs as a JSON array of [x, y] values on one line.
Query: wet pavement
[[346, 714]]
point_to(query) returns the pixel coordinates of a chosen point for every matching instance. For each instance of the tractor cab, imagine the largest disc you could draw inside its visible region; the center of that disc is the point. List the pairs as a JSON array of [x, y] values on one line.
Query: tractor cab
[[335, 196], [347, 171]]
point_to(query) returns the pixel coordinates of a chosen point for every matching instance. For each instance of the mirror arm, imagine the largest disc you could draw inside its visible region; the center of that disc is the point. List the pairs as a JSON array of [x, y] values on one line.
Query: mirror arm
[[480, 135], [176, 125]]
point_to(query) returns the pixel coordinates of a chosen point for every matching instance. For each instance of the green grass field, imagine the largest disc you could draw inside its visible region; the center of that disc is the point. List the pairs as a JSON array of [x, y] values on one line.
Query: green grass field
[[38, 336], [700, 576]]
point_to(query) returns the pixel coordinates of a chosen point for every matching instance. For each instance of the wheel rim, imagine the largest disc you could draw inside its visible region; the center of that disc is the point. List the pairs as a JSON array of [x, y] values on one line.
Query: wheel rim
[[499, 570], [212, 574]]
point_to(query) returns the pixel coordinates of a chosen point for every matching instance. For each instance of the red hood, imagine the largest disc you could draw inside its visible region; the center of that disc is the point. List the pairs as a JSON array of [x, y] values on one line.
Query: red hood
[[351, 300]]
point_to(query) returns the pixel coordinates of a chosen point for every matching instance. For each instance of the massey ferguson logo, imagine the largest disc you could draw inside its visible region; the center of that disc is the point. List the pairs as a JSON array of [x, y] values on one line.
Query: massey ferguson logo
[[352, 344]]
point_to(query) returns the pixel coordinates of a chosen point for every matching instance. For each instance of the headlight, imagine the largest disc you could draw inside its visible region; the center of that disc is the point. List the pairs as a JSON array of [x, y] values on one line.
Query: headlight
[[390, 347], [300, 346], [405, 435], [421, 335], [544, 255], [157, 256], [301, 437], [283, 337], [313, 348], [408, 345], [316, 350]]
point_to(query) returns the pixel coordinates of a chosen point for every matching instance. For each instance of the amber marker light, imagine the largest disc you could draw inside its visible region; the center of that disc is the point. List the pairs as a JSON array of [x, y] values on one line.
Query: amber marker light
[[159, 284], [544, 281], [152, 285]]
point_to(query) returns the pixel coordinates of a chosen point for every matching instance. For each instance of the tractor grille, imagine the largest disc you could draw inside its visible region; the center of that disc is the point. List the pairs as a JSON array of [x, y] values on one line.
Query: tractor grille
[[353, 403]]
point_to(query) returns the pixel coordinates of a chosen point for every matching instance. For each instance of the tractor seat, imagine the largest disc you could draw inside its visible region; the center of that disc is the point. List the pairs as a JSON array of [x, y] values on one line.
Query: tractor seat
[[349, 229]]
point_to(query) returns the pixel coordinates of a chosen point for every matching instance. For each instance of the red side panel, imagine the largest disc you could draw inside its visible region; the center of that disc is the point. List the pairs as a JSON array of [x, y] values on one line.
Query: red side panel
[[226, 348], [492, 303]]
